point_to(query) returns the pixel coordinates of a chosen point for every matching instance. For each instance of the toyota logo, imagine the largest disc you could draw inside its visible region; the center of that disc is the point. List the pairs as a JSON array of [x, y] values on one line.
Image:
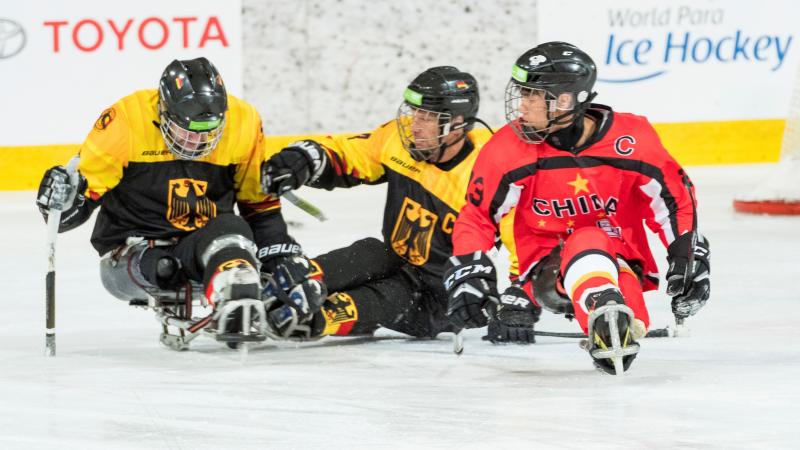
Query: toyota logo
[[12, 38]]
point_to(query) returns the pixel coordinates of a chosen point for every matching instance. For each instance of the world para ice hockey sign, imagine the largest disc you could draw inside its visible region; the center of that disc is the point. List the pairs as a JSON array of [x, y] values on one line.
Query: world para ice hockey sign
[[686, 48], [676, 62]]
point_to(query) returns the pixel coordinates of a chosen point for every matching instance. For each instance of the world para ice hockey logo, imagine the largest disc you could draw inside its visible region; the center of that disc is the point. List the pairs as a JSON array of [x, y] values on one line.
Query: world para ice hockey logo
[[188, 207]]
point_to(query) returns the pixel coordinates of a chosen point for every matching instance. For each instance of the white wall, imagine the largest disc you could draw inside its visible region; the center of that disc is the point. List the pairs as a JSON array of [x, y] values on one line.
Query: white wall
[[329, 66], [332, 66]]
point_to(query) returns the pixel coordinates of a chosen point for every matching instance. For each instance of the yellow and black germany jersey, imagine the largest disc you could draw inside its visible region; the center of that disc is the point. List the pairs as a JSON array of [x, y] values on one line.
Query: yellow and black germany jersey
[[146, 191], [423, 199]]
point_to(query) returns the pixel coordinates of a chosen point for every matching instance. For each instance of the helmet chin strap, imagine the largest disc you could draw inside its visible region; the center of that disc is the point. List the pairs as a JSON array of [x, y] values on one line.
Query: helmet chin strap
[[567, 137], [443, 147], [437, 154]]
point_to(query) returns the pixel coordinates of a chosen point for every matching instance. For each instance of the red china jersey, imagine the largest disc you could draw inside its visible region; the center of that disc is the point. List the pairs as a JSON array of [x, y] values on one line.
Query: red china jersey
[[623, 180]]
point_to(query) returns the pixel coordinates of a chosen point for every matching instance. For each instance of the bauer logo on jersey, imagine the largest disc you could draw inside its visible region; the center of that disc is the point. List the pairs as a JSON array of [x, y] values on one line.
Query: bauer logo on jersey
[[411, 238], [189, 208]]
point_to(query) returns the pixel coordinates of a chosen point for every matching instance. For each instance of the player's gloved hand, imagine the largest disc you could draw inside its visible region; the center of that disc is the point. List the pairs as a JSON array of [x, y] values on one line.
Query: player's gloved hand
[[690, 287], [293, 293], [471, 285], [299, 163], [60, 192], [514, 318]]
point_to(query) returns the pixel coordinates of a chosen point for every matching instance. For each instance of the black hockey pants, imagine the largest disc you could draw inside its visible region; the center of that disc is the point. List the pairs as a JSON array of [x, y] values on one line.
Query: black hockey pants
[[388, 291]]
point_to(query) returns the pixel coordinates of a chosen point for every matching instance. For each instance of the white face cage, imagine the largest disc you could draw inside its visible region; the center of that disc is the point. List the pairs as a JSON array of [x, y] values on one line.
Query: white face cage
[[188, 144], [534, 113], [421, 131]]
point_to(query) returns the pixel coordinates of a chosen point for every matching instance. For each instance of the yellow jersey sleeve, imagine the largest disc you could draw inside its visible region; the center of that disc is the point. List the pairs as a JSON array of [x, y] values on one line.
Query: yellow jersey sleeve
[[356, 158], [245, 121], [105, 152]]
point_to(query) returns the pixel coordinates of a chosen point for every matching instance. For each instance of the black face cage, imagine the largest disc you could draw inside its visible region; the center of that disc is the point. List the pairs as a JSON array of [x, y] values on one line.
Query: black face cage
[[558, 108], [188, 144], [410, 118]]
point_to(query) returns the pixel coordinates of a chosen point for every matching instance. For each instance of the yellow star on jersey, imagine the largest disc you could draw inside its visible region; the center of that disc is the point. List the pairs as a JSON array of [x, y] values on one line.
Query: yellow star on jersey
[[579, 184], [570, 223], [542, 223]]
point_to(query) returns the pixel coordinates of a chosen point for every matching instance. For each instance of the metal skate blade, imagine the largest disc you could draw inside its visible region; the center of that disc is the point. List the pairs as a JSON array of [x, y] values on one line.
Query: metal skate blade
[[247, 307], [619, 368], [237, 338], [610, 312], [611, 317], [458, 343], [173, 342], [244, 351], [681, 329]]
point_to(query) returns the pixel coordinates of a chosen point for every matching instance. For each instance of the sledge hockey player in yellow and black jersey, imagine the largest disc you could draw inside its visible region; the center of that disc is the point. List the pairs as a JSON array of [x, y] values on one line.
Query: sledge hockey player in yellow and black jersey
[[166, 168], [425, 156]]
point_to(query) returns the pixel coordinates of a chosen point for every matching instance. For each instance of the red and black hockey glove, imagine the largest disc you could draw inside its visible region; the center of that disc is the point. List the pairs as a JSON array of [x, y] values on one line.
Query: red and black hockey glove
[[689, 287], [471, 285]]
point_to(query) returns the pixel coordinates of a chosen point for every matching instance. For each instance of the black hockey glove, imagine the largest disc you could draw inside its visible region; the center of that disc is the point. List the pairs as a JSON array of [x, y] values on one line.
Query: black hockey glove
[[514, 318], [57, 192], [298, 164], [689, 287], [471, 285], [293, 293]]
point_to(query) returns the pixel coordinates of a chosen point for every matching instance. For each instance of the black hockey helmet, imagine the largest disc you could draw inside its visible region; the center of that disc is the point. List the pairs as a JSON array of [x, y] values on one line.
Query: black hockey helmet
[[443, 93], [192, 106], [563, 74]]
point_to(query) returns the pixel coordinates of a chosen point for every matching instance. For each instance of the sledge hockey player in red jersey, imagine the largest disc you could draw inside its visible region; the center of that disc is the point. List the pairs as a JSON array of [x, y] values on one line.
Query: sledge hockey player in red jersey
[[583, 179], [166, 167]]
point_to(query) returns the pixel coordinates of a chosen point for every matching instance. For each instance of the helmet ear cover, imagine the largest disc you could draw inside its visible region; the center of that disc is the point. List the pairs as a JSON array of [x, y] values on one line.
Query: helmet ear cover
[[192, 106]]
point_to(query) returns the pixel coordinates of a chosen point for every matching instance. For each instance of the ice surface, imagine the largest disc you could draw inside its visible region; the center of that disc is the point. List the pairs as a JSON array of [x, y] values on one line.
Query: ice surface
[[733, 384]]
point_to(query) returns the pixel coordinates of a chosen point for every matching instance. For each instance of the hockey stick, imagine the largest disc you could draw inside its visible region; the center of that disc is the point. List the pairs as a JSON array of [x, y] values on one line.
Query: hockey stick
[[305, 206], [654, 333], [681, 329], [53, 222]]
